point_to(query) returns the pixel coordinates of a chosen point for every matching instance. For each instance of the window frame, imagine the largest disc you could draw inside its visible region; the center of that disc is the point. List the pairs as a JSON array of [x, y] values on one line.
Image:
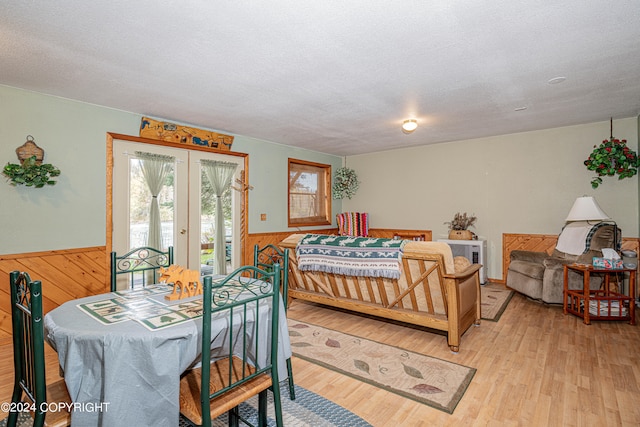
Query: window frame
[[324, 192]]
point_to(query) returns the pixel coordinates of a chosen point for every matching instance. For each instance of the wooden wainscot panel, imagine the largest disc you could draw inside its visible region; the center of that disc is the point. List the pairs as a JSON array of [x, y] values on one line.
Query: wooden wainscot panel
[[543, 243], [65, 274]]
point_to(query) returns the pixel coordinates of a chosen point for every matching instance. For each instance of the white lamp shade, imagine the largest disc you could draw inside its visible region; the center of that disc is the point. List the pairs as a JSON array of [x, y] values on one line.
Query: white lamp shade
[[586, 208]]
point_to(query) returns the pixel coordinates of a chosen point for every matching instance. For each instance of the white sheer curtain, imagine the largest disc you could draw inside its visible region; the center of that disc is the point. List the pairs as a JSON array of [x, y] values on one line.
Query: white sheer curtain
[[219, 175], [155, 168]]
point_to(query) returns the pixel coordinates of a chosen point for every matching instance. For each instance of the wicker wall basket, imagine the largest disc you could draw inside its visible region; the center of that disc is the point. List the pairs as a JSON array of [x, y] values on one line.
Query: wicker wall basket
[[29, 149], [460, 235]]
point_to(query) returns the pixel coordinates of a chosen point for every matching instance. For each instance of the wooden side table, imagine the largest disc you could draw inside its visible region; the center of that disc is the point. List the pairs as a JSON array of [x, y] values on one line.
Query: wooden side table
[[607, 304]]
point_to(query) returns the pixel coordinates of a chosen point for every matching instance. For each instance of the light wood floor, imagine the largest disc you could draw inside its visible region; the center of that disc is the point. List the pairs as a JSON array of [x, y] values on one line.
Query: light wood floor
[[535, 367]]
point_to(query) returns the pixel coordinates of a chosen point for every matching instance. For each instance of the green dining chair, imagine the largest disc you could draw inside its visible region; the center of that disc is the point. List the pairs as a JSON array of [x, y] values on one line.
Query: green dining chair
[[265, 258], [216, 388], [139, 266], [28, 357]]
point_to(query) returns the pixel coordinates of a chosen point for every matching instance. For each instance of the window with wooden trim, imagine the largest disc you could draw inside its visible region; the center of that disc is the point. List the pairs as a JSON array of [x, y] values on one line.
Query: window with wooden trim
[[309, 193]]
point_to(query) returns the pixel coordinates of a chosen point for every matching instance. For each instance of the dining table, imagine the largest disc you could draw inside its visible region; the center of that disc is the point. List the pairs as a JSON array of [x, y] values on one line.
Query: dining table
[[122, 353]]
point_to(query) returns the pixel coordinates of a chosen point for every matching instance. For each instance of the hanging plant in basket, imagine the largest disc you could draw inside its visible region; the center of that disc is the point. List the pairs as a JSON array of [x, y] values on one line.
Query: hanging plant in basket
[[31, 172], [612, 157], [345, 183]]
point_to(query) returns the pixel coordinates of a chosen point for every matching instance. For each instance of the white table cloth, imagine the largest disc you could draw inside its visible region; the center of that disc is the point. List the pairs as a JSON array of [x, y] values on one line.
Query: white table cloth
[[124, 374]]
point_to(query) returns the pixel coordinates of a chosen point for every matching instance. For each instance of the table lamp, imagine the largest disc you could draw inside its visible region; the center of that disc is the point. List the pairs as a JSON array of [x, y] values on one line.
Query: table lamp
[[586, 208]]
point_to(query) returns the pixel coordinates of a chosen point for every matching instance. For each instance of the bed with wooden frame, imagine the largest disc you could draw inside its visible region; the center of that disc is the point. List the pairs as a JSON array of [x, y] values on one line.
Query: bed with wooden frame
[[430, 292]]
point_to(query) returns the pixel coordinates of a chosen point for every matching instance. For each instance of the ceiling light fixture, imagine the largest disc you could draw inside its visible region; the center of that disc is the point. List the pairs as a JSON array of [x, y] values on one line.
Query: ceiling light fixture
[[409, 125]]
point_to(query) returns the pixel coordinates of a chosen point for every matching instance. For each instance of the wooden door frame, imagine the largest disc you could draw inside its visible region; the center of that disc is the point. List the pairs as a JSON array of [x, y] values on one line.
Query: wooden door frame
[[244, 201]]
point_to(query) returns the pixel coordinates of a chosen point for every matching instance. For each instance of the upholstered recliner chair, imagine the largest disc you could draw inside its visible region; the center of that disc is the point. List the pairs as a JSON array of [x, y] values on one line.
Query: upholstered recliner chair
[[540, 276]]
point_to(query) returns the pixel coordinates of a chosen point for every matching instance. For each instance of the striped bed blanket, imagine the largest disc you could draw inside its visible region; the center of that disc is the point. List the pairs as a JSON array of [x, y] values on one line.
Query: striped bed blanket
[[350, 256]]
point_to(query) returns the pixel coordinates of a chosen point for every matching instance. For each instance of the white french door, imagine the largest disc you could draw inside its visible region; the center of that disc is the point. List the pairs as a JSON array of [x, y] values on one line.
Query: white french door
[[185, 203], [200, 218]]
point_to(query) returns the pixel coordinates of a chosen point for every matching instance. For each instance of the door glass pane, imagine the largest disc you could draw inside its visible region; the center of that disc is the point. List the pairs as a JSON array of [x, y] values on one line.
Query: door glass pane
[[208, 224], [139, 207]]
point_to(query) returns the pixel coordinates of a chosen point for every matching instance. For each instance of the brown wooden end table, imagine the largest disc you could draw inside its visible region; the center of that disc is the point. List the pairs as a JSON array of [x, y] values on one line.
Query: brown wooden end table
[[607, 304]]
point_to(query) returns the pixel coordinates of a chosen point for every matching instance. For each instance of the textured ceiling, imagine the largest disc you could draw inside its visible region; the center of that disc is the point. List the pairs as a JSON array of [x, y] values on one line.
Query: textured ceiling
[[334, 76]]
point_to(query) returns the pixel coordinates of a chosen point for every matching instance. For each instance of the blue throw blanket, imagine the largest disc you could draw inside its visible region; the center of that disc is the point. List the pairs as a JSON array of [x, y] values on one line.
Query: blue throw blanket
[[350, 256]]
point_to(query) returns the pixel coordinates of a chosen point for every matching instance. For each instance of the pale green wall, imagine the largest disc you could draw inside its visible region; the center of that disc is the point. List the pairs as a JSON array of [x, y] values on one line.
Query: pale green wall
[[518, 183], [72, 214], [268, 165]]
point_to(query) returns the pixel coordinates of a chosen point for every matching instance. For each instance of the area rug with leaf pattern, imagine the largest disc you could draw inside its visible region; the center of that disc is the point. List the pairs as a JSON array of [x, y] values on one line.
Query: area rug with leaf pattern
[[434, 382], [494, 299]]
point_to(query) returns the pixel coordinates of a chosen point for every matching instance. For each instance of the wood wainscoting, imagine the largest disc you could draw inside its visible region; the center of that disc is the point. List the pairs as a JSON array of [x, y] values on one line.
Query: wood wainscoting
[[542, 243], [68, 274], [65, 274], [75, 273]]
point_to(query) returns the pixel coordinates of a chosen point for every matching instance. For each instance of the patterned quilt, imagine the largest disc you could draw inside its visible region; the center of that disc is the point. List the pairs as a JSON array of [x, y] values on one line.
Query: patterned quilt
[[351, 256]]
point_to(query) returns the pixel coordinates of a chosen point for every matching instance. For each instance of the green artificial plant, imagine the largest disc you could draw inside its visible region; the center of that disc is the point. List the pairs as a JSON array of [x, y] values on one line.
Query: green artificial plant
[[345, 183], [612, 157], [30, 173]]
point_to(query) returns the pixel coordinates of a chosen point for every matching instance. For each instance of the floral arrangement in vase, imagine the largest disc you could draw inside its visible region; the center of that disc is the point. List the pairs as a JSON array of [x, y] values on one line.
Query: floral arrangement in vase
[[458, 227]]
